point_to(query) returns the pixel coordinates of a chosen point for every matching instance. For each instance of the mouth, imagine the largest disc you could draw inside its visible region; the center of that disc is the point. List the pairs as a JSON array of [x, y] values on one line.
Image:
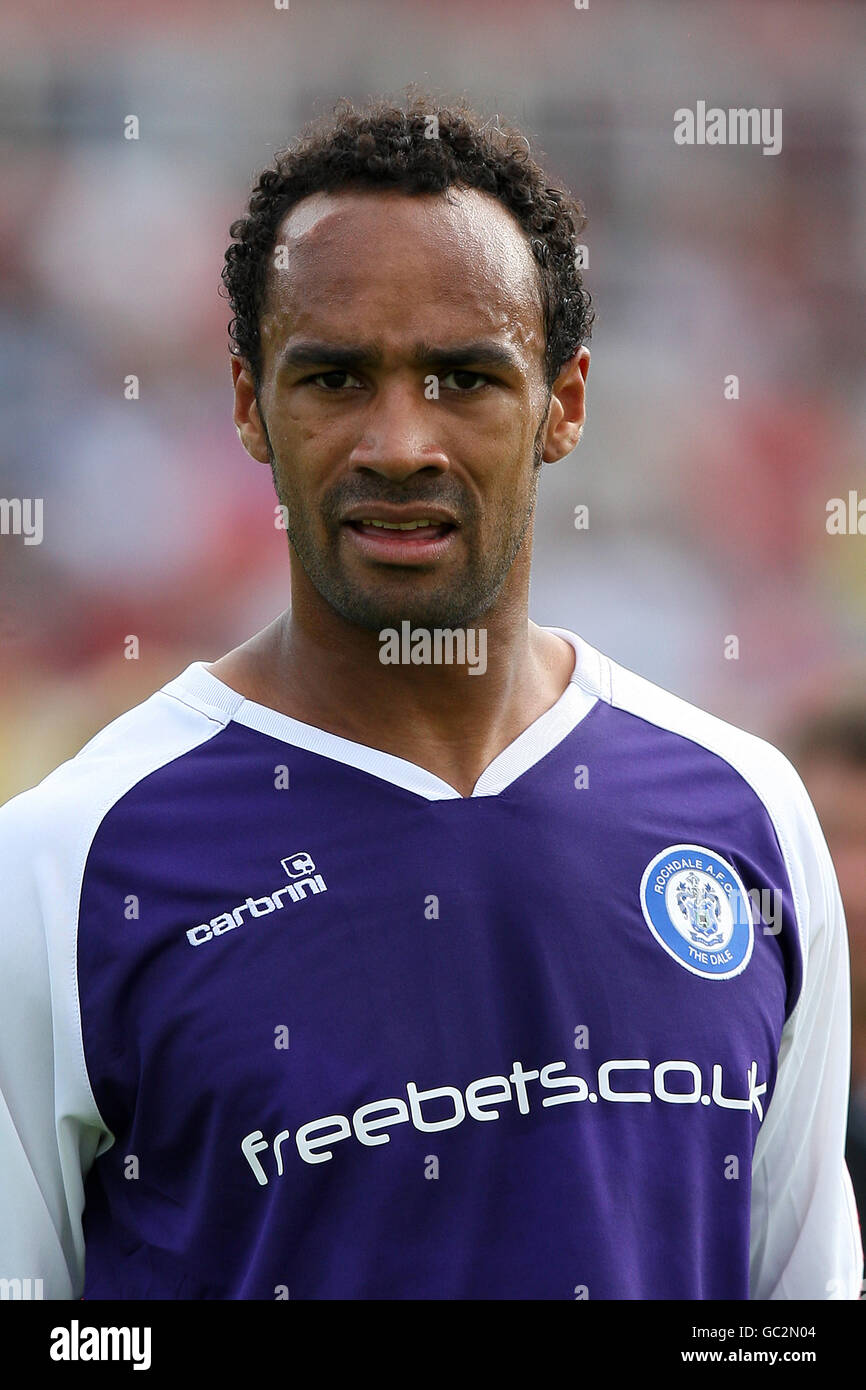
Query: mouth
[[401, 542]]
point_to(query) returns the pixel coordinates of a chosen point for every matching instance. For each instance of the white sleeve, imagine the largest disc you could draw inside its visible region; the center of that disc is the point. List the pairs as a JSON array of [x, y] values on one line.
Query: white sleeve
[[805, 1236], [49, 1129]]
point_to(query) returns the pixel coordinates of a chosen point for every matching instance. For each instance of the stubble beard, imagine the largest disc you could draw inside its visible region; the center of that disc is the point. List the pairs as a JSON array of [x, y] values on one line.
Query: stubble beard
[[458, 602]]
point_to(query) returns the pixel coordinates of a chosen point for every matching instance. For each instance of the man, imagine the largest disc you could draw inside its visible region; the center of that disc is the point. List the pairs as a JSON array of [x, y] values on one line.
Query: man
[[411, 950]]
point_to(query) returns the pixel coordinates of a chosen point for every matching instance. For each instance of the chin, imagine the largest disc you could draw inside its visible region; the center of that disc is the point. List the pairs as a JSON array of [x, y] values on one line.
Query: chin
[[376, 614]]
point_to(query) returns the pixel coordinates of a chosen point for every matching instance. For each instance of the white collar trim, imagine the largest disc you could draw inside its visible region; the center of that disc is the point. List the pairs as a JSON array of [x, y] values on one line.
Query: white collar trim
[[589, 682]]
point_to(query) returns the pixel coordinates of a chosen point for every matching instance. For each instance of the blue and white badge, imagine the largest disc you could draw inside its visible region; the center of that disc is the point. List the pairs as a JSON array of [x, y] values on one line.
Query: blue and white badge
[[696, 907]]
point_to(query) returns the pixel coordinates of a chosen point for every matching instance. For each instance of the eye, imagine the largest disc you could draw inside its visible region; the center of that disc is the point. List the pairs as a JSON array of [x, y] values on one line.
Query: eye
[[465, 381], [335, 380]]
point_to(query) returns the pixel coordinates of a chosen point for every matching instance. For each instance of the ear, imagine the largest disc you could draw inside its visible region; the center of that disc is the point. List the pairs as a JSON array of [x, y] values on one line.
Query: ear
[[567, 411], [248, 421]]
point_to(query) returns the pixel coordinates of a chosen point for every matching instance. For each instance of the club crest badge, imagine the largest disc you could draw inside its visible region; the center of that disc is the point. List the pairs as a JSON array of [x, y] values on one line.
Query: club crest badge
[[696, 907]]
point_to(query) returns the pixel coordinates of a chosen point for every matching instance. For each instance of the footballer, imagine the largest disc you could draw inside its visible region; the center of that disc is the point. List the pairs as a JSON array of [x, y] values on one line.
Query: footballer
[[411, 950]]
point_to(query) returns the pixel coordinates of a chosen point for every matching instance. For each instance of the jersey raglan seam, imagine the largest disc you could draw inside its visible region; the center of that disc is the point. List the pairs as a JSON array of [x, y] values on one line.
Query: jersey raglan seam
[[200, 708], [80, 875], [784, 846], [789, 1026]]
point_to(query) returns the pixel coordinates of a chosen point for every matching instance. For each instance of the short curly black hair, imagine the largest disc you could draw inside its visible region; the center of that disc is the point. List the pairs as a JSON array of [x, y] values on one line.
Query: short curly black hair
[[419, 147]]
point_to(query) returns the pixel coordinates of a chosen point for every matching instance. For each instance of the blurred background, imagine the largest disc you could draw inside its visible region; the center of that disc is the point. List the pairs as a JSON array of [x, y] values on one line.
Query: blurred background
[[707, 516]]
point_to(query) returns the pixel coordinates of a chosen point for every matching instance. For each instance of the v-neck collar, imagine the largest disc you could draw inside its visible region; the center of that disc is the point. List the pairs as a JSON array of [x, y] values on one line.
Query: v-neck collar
[[589, 682]]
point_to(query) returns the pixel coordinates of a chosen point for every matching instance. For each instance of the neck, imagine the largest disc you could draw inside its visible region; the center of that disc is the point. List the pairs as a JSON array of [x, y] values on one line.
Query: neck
[[311, 664]]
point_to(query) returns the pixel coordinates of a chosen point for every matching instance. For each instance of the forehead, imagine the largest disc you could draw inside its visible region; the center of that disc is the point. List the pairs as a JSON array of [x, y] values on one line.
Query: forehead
[[383, 262]]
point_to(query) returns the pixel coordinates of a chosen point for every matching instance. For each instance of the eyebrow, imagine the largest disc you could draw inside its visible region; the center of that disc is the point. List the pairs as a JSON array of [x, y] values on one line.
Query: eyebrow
[[483, 353]]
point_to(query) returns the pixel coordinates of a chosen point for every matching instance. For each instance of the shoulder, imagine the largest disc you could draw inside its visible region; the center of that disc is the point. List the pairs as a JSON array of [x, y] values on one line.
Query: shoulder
[[759, 762], [58, 817], [764, 768], [767, 770]]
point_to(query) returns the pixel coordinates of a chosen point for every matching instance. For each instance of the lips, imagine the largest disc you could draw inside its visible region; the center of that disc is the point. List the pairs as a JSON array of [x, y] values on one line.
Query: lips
[[422, 530], [405, 542], [400, 514]]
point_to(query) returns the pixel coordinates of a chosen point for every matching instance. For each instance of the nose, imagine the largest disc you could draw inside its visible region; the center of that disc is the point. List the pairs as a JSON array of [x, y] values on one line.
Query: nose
[[398, 436]]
